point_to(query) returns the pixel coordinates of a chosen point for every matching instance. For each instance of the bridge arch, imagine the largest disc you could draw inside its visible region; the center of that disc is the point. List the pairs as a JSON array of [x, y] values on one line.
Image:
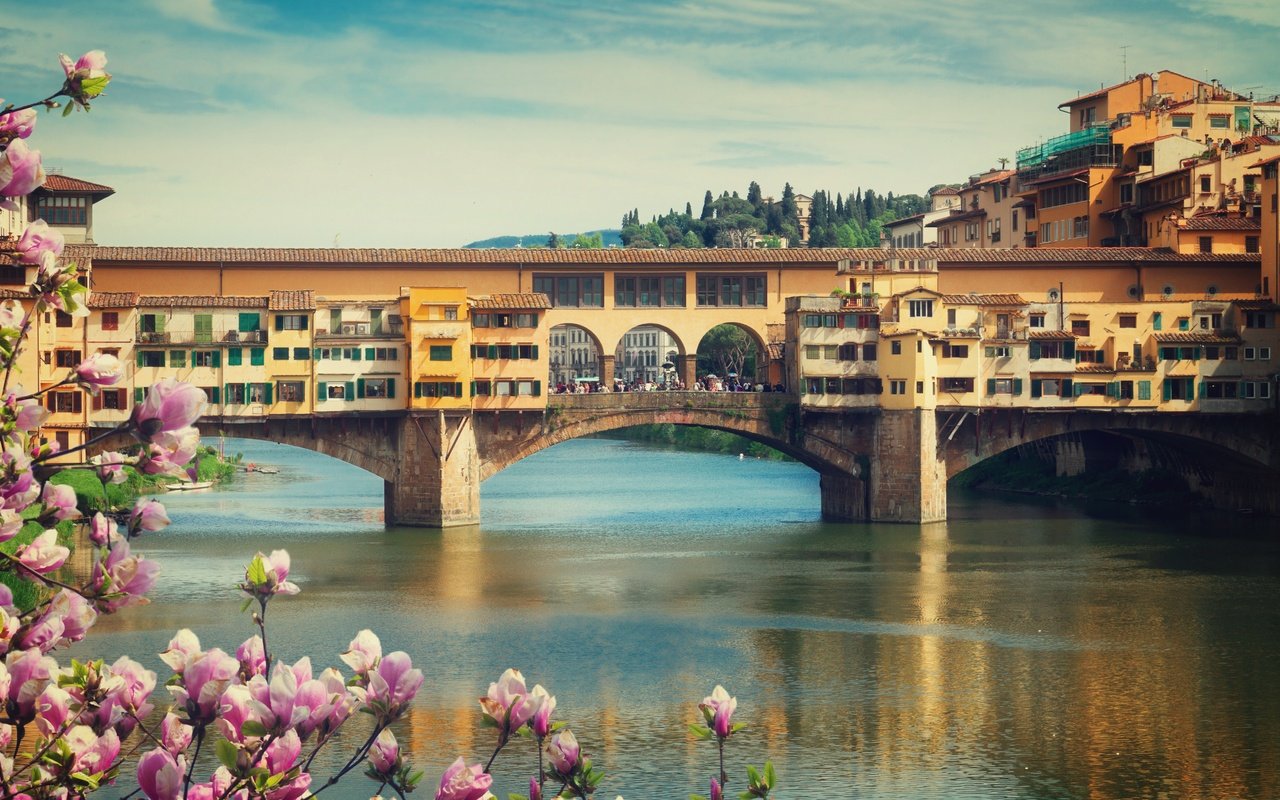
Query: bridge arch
[[575, 352], [712, 357], [641, 351]]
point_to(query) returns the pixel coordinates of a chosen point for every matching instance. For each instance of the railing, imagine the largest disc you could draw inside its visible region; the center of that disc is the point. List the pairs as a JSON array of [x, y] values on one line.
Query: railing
[[212, 338], [361, 330]]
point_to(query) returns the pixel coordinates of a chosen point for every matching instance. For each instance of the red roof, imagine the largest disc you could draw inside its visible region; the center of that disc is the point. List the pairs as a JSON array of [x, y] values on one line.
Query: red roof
[[511, 301], [1215, 222], [983, 299], [113, 299], [945, 190], [200, 301], [65, 183], [292, 300]]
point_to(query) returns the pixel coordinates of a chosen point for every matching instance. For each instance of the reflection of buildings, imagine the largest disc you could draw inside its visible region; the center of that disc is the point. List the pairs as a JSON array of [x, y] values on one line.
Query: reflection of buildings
[[641, 353], [573, 354]]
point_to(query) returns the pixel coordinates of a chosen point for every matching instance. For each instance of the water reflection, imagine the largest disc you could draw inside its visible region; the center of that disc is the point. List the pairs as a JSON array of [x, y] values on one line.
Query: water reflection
[[1021, 650]]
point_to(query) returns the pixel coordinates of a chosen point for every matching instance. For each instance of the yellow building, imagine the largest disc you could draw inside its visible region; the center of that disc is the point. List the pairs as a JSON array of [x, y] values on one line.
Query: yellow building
[[509, 352], [438, 331], [290, 369], [360, 355]]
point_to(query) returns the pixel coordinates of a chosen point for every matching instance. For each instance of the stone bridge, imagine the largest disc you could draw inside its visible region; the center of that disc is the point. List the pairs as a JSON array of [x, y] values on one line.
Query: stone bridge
[[875, 464]]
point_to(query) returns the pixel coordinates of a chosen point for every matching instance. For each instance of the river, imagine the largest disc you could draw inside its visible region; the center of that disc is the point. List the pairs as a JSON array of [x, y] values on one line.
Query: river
[[1024, 649]]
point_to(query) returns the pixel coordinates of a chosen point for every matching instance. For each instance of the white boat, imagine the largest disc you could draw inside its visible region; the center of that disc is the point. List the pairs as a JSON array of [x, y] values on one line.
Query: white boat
[[187, 486]]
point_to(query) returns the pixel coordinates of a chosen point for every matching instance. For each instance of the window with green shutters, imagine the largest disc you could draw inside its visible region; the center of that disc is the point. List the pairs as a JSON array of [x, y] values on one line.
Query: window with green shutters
[[235, 356], [1157, 321], [1144, 390], [368, 353], [257, 356], [177, 358], [249, 322], [204, 328], [441, 352]]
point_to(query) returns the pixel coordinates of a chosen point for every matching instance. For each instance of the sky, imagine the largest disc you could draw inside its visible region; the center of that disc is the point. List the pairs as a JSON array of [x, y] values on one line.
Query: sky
[[391, 123]]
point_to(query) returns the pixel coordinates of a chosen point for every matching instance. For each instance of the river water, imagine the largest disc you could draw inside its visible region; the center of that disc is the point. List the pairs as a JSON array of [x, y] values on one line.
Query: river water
[[1024, 649]]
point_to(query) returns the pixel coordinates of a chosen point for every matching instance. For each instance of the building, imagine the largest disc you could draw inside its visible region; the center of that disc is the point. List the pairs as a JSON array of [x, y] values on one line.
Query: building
[[63, 202], [918, 230], [438, 332], [360, 355], [509, 354], [988, 214]]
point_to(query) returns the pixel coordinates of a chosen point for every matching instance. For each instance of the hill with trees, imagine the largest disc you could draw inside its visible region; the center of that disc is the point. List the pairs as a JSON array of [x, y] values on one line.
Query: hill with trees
[[852, 220], [607, 237]]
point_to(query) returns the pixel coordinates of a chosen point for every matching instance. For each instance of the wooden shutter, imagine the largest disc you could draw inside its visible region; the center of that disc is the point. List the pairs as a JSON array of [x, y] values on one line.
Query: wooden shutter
[[351, 390], [991, 386], [215, 395], [391, 387], [217, 359], [368, 354], [138, 396], [1017, 386], [360, 387], [1035, 350], [537, 388], [324, 392], [97, 402], [1035, 387]]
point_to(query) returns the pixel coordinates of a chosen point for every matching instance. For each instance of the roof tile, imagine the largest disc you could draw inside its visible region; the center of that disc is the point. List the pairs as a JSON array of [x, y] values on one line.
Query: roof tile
[[65, 183], [197, 301], [512, 301], [984, 299], [113, 299], [292, 300], [1195, 337]]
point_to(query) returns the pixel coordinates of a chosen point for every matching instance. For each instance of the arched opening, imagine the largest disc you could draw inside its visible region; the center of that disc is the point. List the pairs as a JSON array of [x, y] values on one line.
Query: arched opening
[[574, 357], [648, 355], [732, 356]]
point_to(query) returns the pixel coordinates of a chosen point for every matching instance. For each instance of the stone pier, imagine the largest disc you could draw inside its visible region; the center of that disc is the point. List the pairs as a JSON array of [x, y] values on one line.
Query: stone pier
[[438, 485]]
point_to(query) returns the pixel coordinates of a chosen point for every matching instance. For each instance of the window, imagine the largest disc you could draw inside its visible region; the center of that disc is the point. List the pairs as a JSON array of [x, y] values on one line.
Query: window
[[177, 358], [292, 391], [956, 385], [1179, 388], [378, 387], [1091, 356], [1257, 354], [895, 347], [1206, 184], [1219, 121], [1051, 349], [1051, 387], [897, 387], [67, 358], [451, 312], [1010, 386], [848, 352], [203, 328], [67, 402], [920, 308], [203, 358], [868, 352], [1206, 244], [1035, 321], [1181, 120], [1221, 390], [578, 291], [1255, 389], [111, 319], [1128, 320], [151, 358], [291, 322], [114, 400], [950, 350], [951, 317], [1259, 319], [970, 231], [731, 290], [280, 353], [336, 391], [1126, 193], [63, 210], [1073, 192], [1080, 228], [64, 320], [998, 351], [301, 354], [526, 320], [259, 393], [433, 389], [1251, 244]]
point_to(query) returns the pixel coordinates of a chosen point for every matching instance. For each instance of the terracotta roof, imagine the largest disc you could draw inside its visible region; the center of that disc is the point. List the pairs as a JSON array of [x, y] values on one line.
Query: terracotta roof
[[984, 300], [569, 257], [1264, 162], [1058, 176], [1195, 337], [1094, 368], [960, 333], [199, 301], [1214, 222], [65, 183], [957, 216], [500, 301], [1257, 305], [945, 190], [995, 178], [1054, 335], [14, 294], [292, 300], [113, 299]]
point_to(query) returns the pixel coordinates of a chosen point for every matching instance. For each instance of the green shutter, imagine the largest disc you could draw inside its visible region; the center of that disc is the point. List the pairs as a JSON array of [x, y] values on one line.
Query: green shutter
[[204, 328], [1067, 389], [175, 357], [235, 356], [315, 354], [391, 387], [139, 355], [226, 389], [1069, 350], [159, 323], [351, 390], [1112, 389], [138, 396], [217, 359], [1035, 387], [1167, 391], [193, 357], [1157, 320], [457, 389], [473, 388], [279, 322], [537, 388], [1035, 350], [305, 322], [1144, 390], [417, 389], [535, 352], [1017, 386], [368, 354], [257, 356], [215, 395], [246, 393], [1077, 390], [359, 387], [248, 322], [324, 392], [991, 386], [268, 394], [1191, 382], [493, 351], [355, 354]]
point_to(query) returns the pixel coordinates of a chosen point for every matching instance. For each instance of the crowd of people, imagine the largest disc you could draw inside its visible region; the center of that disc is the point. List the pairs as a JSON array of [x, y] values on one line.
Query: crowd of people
[[707, 383]]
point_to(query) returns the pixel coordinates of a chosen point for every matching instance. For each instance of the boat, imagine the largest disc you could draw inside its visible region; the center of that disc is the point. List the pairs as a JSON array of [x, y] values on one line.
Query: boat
[[267, 470], [189, 486]]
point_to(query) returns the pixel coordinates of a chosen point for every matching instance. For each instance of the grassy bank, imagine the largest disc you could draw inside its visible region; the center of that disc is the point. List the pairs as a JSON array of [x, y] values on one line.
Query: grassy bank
[[706, 440], [1009, 473]]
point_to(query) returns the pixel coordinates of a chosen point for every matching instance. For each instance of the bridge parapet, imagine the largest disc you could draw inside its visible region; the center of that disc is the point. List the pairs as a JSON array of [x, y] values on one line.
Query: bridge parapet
[[660, 401]]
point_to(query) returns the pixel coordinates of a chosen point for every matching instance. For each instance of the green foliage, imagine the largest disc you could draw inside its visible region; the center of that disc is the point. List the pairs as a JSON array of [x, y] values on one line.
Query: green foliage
[[684, 437], [584, 241], [727, 348]]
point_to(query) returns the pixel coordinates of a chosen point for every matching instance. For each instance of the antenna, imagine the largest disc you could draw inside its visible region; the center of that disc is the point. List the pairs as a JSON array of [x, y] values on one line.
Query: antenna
[[1124, 60]]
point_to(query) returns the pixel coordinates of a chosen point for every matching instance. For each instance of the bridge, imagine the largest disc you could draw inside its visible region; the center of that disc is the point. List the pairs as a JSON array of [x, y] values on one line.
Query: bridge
[[874, 464]]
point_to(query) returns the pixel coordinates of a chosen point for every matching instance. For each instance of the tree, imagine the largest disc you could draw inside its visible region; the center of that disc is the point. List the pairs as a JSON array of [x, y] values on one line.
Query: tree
[[708, 210], [688, 210], [588, 241], [553, 241], [754, 196], [727, 349]]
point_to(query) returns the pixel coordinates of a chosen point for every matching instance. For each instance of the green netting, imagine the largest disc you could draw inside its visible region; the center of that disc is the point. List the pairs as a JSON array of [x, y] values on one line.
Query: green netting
[[1035, 156]]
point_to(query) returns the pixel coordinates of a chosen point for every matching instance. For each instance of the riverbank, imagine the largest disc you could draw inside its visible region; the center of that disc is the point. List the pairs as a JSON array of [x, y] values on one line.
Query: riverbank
[[211, 467], [704, 440]]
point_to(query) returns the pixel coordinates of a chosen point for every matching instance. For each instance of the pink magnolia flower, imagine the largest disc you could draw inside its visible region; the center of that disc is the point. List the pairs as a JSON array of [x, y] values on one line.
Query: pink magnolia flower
[[508, 703], [718, 709], [128, 687], [10, 523], [169, 406], [252, 658], [175, 735], [364, 652], [20, 172], [563, 753], [53, 710], [17, 124], [37, 239], [717, 791], [160, 775], [44, 554], [282, 756], [217, 788], [111, 467], [29, 671], [392, 686], [343, 702], [147, 515], [540, 722], [99, 370], [103, 530], [204, 679], [86, 78], [20, 491], [183, 649], [119, 579], [535, 790], [460, 782], [385, 754], [268, 575], [29, 415], [239, 706], [59, 502], [317, 702], [66, 619]]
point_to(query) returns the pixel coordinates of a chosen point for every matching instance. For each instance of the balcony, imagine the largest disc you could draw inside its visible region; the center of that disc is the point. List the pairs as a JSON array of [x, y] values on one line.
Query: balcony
[[362, 330], [231, 337], [1090, 147]]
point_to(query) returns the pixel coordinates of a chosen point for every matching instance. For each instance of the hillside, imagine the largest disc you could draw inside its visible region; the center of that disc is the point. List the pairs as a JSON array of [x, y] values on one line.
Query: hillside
[[610, 237]]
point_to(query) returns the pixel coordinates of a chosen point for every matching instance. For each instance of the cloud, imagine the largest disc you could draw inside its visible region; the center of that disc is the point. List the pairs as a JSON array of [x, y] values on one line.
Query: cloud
[[200, 13], [757, 155]]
